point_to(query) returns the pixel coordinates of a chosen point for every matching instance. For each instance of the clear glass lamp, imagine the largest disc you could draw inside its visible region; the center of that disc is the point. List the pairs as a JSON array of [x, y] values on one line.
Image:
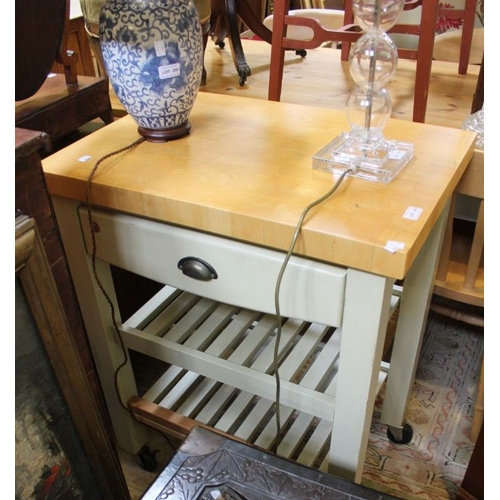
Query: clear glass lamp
[[373, 61]]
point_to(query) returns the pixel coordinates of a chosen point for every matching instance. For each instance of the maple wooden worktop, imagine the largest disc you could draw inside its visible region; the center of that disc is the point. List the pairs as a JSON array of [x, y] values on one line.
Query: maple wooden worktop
[[245, 172]]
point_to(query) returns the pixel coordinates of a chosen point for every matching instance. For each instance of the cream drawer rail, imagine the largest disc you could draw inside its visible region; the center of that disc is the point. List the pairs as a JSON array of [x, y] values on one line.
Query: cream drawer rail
[[311, 291]]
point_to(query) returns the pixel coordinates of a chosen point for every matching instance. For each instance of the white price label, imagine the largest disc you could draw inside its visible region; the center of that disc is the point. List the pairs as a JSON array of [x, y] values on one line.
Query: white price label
[[392, 246], [397, 154], [413, 213], [170, 71], [160, 48]]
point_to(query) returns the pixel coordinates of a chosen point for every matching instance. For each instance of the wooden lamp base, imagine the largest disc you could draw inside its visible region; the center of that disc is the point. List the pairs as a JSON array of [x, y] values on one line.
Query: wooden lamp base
[[165, 134]]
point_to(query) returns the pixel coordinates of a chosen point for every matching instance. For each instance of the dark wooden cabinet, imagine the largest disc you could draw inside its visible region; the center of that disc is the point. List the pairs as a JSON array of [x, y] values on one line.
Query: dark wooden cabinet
[[44, 277], [472, 487], [55, 103]]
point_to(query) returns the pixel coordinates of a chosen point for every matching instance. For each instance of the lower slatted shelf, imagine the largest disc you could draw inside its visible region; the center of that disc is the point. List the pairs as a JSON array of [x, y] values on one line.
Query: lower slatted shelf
[[224, 366]]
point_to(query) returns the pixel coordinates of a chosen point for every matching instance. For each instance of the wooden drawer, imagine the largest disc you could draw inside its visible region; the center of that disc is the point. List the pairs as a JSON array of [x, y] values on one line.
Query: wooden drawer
[[246, 274]]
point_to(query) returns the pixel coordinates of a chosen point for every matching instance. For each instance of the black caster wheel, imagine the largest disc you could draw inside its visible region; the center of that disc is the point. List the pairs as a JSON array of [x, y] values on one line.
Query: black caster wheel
[[243, 79], [221, 45], [400, 436], [148, 458], [301, 52]]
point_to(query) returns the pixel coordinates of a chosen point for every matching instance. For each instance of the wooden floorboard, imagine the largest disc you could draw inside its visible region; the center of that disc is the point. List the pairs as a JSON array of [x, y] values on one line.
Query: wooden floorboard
[[321, 79]]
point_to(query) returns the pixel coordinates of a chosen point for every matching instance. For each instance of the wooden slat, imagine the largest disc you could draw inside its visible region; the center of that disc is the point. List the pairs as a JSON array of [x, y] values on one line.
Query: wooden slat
[[246, 352], [296, 433], [182, 388], [206, 332], [198, 399], [316, 443], [163, 384], [241, 355], [151, 309], [230, 336], [308, 353], [192, 313], [322, 367], [302, 351], [268, 434], [219, 400], [253, 420]]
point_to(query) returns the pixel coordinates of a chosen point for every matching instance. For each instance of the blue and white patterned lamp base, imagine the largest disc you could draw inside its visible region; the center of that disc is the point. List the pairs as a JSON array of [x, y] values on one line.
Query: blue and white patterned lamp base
[[153, 52]]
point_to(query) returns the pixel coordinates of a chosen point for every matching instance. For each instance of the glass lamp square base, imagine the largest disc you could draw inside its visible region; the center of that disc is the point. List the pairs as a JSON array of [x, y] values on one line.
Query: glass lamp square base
[[376, 160]]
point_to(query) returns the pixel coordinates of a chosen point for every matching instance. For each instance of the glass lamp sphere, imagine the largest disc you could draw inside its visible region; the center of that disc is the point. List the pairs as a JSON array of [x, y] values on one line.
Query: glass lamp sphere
[[373, 59], [368, 110], [377, 15]]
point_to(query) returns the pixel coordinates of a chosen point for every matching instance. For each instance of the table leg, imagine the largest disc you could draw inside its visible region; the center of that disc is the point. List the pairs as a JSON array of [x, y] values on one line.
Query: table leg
[[96, 313], [366, 313], [414, 306]]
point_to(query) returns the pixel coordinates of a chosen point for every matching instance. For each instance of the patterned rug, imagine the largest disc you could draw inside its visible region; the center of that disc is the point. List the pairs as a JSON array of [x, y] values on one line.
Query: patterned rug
[[432, 465]]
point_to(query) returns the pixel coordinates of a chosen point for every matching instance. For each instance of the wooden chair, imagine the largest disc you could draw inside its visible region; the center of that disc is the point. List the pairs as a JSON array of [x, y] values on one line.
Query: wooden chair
[[280, 42], [468, 14], [225, 24], [426, 32], [56, 104], [460, 273], [350, 33]]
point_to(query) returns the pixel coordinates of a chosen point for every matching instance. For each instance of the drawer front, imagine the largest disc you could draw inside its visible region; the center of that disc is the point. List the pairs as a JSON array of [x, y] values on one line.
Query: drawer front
[[246, 274]]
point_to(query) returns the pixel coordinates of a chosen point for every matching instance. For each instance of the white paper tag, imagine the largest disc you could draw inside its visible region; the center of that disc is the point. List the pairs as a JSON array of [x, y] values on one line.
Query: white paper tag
[[160, 48], [85, 158], [169, 71], [341, 158], [397, 154], [413, 213], [392, 246]]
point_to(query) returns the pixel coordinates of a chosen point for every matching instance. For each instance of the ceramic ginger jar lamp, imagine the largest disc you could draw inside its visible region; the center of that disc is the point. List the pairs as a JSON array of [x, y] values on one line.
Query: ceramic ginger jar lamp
[[153, 53]]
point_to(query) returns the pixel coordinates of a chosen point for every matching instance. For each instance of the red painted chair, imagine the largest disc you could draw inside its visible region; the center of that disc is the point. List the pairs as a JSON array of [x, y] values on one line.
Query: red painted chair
[[425, 31]]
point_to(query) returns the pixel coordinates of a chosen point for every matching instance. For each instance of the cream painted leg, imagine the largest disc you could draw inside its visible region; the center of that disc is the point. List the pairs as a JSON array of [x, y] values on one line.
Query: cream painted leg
[[417, 291], [103, 339], [366, 314]]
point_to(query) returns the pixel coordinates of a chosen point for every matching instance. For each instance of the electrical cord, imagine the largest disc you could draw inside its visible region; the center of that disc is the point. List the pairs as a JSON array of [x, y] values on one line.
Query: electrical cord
[[92, 226], [277, 294], [298, 228]]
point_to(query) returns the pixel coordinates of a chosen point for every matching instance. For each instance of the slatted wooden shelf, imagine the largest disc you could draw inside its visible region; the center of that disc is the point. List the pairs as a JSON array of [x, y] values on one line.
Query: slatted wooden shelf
[[221, 371]]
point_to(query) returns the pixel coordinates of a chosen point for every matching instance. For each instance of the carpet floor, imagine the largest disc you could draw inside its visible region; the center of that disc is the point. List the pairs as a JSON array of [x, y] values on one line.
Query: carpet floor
[[440, 410]]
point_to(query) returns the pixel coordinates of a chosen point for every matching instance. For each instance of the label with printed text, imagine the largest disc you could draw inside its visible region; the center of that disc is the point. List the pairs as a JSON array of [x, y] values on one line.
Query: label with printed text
[[170, 71], [413, 213]]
